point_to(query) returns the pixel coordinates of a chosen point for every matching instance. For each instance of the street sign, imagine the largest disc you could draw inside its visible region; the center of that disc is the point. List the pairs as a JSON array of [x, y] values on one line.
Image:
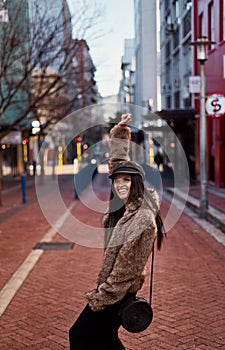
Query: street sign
[[4, 17], [194, 84], [215, 105]]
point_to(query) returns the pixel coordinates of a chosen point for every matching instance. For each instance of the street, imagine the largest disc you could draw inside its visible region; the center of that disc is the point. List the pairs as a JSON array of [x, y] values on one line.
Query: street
[[188, 286]]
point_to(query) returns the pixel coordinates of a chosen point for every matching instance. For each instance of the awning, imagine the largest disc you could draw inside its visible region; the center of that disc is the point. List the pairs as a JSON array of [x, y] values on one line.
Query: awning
[[179, 114]]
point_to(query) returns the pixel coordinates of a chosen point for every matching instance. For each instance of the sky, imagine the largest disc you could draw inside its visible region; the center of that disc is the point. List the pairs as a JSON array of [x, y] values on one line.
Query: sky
[[106, 40]]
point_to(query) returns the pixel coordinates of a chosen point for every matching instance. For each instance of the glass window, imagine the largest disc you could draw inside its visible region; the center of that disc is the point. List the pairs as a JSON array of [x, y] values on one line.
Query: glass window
[[177, 99], [168, 102], [187, 4], [187, 23], [176, 71], [177, 12], [167, 4], [201, 23], [211, 28]]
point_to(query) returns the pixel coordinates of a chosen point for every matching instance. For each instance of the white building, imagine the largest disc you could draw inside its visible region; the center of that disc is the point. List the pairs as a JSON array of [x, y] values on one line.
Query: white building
[[127, 83], [146, 54], [176, 53]]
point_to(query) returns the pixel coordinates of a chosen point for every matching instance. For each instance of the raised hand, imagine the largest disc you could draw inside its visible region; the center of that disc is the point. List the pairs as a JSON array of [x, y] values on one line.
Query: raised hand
[[125, 119]]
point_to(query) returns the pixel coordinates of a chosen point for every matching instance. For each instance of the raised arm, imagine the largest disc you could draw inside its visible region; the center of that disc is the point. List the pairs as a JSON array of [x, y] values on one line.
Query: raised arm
[[119, 142]]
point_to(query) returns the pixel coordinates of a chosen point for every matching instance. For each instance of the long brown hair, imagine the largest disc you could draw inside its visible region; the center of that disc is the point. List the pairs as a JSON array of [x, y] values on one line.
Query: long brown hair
[[117, 209]]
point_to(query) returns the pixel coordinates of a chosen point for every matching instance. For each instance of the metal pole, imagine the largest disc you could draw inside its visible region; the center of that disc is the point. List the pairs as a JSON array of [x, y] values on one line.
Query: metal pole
[[203, 147], [23, 184]]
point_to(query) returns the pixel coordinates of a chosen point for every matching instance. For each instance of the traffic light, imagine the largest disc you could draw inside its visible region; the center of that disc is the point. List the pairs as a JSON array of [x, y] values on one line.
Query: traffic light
[[25, 149], [78, 139], [25, 140]]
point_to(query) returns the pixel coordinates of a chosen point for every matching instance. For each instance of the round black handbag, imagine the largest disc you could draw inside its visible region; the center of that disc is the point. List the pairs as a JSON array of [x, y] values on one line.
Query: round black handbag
[[135, 314]]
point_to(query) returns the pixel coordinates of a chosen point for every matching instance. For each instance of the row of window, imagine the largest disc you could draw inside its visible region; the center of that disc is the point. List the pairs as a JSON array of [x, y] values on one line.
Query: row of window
[[211, 21], [176, 96]]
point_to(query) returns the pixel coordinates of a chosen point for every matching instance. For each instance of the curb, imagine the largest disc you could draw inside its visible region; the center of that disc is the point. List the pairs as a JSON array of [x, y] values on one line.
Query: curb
[[214, 216]]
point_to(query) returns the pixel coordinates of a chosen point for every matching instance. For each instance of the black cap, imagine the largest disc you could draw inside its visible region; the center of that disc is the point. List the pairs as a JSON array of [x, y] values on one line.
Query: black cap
[[128, 168]]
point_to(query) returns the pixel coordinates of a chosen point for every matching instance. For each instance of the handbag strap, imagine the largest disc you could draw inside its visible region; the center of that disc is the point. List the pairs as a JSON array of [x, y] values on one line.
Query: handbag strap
[[151, 276]]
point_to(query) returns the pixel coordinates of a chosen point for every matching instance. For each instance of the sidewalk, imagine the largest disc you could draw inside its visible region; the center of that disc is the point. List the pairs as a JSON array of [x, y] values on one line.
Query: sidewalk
[[216, 203], [216, 197]]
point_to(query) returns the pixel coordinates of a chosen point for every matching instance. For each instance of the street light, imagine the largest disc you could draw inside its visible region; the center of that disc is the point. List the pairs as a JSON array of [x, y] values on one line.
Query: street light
[[202, 45]]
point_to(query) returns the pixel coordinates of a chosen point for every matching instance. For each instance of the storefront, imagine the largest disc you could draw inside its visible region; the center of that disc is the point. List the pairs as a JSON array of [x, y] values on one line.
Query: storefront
[[182, 122]]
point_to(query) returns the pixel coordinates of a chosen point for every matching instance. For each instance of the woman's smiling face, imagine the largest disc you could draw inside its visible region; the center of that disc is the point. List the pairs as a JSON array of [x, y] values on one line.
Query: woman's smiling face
[[122, 185]]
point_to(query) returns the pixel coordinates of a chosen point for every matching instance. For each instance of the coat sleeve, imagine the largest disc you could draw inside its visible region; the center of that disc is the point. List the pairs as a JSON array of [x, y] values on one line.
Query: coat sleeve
[[130, 263], [119, 146]]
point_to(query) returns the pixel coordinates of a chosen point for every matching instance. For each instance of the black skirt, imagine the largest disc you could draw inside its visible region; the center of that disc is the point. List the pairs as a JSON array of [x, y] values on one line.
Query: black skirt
[[96, 330]]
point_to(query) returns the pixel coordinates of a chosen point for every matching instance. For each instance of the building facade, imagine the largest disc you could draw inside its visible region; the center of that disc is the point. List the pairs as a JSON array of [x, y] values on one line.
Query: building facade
[[127, 83], [176, 66], [14, 51], [45, 73], [145, 54], [209, 21], [14, 87], [50, 17], [176, 53], [182, 22]]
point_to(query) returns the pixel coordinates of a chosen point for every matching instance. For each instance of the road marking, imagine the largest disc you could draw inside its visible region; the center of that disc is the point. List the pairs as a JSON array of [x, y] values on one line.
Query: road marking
[[10, 289]]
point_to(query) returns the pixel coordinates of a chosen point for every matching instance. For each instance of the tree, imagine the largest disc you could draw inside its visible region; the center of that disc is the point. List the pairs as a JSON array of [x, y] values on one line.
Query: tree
[[37, 71]]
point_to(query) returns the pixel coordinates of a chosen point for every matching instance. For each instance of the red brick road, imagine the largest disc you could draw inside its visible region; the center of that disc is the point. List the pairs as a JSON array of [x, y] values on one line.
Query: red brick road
[[188, 293]]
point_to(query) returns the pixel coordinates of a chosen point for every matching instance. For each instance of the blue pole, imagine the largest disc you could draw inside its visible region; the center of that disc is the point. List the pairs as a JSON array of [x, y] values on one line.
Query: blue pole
[[23, 184], [76, 196]]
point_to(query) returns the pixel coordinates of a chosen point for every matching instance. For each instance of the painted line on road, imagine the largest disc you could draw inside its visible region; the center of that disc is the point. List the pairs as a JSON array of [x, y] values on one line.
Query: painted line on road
[[10, 289]]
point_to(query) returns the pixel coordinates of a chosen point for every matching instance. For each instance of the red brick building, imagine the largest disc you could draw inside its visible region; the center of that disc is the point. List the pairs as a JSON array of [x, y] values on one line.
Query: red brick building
[[209, 20]]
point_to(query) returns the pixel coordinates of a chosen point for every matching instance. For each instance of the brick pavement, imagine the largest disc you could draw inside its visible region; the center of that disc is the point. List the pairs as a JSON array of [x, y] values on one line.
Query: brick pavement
[[188, 292]]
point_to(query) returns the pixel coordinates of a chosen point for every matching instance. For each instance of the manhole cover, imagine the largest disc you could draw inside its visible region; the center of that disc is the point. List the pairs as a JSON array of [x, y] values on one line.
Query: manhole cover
[[54, 246]]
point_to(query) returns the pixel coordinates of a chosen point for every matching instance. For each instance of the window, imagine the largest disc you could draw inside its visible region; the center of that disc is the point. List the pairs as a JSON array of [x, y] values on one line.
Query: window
[[168, 102], [187, 23], [167, 51], [187, 101], [177, 99], [211, 26], [176, 38], [176, 71], [168, 77], [223, 66], [167, 4], [177, 12], [187, 62], [222, 20], [201, 24], [187, 4]]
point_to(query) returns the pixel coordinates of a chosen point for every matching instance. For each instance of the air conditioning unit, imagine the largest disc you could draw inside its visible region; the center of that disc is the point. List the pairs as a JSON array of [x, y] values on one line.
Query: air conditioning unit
[[169, 28]]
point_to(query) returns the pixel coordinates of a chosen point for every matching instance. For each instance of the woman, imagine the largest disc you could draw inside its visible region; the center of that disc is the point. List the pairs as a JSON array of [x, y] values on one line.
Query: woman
[[131, 224]]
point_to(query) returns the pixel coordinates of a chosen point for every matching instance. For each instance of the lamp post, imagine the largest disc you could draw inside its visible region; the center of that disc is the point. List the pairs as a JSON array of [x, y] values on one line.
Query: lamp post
[[202, 44]]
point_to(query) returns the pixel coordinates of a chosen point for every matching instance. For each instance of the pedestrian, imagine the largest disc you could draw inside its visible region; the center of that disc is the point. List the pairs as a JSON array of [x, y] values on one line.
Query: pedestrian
[[132, 224], [158, 159]]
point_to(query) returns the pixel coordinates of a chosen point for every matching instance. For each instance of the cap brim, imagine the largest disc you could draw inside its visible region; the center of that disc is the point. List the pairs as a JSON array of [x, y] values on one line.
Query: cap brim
[[124, 172]]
